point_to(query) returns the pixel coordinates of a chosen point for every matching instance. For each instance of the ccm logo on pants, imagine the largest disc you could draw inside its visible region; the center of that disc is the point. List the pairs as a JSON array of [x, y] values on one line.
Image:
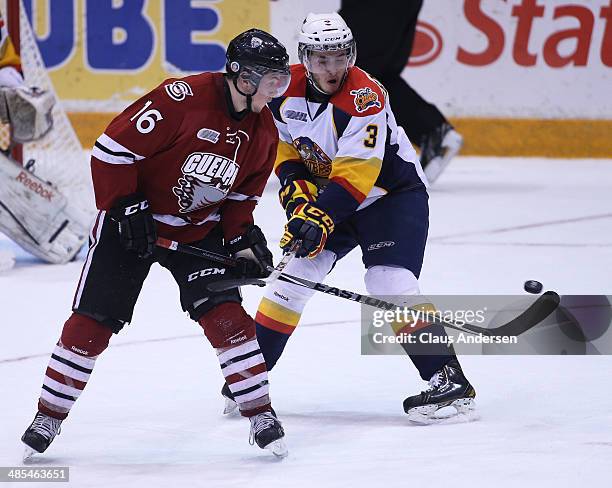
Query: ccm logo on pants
[[205, 272], [380, 245]]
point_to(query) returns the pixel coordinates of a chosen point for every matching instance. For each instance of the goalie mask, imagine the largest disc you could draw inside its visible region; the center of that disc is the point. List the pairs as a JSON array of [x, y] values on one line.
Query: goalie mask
[[259, 59], [327, 49]]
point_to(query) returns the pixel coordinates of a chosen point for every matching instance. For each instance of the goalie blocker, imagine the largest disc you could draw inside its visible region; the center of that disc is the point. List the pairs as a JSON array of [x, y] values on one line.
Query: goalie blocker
[[37, 216]]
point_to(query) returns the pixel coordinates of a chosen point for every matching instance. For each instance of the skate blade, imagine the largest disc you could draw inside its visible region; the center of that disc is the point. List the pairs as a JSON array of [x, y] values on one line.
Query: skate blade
[[278, 448], [461, 410], [230, 407], [28, 452]]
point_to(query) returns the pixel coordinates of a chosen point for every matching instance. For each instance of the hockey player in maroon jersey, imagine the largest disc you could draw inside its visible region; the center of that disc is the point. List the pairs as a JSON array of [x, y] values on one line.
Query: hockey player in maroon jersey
[[187, 162]]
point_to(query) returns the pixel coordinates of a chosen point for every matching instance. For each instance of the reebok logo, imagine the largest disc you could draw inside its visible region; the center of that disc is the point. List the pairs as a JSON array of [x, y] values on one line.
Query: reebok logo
[[35, 186], [239, 339], [282, 297], [79, 351]]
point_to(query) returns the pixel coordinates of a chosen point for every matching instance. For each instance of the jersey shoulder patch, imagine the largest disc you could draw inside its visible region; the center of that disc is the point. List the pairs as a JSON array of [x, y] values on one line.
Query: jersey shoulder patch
[[360, 95]]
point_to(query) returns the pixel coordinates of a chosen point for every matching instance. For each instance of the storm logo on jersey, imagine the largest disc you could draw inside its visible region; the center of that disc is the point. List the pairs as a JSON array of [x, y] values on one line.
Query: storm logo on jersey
[[315, 159], [207, 179]]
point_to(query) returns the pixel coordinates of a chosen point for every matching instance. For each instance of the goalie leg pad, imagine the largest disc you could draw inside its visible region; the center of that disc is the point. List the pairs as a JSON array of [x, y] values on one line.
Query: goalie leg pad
[[37, 216]]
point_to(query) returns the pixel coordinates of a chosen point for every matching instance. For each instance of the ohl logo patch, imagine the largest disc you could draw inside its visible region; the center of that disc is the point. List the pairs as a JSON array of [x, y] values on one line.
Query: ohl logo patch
[[365, 98], [315, 159]]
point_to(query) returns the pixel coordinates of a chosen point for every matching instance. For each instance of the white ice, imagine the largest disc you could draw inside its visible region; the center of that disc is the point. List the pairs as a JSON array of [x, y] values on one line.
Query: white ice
[[151, 415]]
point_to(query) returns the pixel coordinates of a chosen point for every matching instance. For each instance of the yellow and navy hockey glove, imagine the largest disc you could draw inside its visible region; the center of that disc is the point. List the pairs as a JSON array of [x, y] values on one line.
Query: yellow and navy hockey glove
[[296, 192], [311, 226]]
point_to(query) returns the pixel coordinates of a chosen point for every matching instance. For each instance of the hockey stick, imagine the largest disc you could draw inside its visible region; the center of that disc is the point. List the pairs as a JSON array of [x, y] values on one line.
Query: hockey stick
[[223, 285], [544, 305], [195, 251], [535, 313]]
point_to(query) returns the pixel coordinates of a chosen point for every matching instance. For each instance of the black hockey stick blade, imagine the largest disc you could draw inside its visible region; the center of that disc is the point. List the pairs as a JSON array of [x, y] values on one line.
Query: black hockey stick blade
[[539, 310]]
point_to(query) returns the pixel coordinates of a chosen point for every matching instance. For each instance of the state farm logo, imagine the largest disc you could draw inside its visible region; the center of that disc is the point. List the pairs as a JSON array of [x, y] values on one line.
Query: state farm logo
[[427, 44], [528, 32], [207, 179]]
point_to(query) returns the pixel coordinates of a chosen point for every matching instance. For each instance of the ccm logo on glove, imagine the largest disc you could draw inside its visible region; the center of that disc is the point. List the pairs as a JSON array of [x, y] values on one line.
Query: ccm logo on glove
[[132, 209]]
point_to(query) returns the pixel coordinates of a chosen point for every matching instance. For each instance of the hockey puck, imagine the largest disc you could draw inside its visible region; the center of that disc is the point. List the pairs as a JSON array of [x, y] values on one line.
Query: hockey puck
[[533, 286]]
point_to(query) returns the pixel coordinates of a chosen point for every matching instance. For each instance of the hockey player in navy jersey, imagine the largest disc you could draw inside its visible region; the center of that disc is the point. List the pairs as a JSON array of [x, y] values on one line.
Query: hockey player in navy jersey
[[350, 177]]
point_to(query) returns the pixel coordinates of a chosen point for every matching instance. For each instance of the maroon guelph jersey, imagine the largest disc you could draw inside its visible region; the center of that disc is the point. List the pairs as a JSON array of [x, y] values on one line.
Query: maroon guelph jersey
[[179, 146]]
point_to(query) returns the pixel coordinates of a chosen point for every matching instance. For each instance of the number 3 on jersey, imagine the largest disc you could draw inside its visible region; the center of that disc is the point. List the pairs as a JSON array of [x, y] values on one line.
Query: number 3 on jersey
[[146, 120], [370, 140]]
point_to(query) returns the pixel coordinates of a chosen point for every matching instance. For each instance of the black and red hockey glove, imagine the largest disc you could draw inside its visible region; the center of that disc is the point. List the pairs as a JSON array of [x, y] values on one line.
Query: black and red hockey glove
[[136, 225], [252, 253]]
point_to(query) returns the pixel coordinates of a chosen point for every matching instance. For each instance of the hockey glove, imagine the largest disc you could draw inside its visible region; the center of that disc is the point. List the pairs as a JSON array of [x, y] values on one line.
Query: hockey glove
[[252, 254], [295, 193], [308, 224], [136, 225]]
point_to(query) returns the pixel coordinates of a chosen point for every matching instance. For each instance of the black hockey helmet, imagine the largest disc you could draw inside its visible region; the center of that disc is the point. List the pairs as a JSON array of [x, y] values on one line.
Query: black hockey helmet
[[253, 54]]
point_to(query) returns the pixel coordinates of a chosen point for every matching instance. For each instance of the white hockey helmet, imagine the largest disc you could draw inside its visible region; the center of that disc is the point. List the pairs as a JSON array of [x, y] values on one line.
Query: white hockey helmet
[[324, 33]]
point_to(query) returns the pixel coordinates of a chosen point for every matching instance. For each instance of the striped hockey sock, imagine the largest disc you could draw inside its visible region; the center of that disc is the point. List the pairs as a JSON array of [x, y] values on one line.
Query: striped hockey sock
[[72, 361], [231, 332], [65, 379], [245, 372]]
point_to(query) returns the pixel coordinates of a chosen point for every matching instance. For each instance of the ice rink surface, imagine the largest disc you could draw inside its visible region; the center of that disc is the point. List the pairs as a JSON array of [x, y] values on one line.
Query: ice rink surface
[[151, 414]]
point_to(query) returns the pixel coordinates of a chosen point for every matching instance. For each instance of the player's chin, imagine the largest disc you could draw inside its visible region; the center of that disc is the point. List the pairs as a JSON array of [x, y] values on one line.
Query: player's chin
[[332, 85]]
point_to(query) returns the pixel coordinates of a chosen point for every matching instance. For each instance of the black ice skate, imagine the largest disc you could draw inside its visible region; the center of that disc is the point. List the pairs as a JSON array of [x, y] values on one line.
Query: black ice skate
[[268, 433], [438, 148], [448, 387], [40, 434], [230, 406]]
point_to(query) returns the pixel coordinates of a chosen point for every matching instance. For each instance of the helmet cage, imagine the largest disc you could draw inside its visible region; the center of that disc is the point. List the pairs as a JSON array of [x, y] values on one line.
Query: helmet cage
[[304, 51]]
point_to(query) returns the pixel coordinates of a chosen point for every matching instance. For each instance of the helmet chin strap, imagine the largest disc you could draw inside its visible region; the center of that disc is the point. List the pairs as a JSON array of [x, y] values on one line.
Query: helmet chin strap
[[249, 97]]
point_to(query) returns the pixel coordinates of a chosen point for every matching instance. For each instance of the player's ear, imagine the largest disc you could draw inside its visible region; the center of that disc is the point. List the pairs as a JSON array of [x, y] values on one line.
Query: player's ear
[[244, 84]]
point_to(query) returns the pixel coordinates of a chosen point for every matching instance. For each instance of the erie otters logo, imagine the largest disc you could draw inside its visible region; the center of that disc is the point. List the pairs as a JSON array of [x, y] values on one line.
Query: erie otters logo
[[315, 159], [207, 179], [365, 98]]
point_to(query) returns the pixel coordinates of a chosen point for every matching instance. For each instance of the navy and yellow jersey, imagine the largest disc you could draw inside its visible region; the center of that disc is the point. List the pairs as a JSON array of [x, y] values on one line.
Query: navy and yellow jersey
[[350, 144], [8, 54]]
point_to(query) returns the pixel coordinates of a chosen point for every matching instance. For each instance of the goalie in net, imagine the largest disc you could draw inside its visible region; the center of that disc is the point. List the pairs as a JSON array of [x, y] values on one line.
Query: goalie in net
[[46, 200]]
